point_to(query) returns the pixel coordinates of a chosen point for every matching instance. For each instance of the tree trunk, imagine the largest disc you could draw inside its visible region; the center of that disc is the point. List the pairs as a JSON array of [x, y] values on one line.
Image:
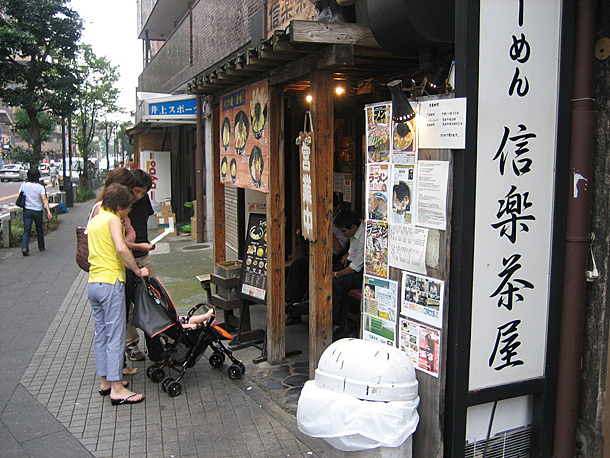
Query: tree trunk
[[36, 139]]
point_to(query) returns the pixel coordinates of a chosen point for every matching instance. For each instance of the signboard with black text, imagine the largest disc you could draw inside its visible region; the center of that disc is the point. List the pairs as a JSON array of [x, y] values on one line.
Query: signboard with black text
[[254, 266]]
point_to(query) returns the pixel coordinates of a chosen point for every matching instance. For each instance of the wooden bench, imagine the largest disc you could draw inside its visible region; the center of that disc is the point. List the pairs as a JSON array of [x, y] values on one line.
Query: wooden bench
[[204, 280]]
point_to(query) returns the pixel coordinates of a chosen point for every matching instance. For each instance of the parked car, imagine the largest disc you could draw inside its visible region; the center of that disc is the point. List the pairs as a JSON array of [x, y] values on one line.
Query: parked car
[[75, 174], [13, 172], [23, 172], [44, 169]]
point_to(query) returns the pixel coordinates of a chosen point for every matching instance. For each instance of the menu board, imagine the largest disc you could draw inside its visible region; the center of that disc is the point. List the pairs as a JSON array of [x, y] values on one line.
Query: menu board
[[244, 137], [254, 266]]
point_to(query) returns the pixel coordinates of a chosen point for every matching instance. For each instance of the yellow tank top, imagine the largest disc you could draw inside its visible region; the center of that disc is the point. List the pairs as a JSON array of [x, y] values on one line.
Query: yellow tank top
[[106, 264]]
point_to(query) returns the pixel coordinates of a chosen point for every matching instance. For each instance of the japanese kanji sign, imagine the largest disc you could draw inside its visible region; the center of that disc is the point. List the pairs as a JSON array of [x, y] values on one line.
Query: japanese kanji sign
[[308, 175], [516, 155]]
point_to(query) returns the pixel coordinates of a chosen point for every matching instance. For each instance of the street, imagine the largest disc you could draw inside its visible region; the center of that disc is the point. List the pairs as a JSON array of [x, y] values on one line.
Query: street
[[10, 189]]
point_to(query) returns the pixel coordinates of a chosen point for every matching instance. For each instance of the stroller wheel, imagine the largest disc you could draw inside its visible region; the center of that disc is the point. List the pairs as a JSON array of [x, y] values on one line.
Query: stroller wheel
[[217, 359], [242, 367], [166, 381], [174, 389], [155, 373], [234, 372]]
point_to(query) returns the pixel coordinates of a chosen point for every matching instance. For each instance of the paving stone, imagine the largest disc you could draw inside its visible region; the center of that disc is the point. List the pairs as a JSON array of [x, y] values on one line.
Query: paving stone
[[214, 417], [295, 380]]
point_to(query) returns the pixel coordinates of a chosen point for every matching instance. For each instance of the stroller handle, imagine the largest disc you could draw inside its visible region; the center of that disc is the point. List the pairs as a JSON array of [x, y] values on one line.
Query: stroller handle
[[140, 266]]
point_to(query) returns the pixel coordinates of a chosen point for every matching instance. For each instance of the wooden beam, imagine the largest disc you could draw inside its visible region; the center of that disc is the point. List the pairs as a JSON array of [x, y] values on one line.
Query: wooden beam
[[320, 251], [332, 33], [331, 57], [220, 249], [276, 229]]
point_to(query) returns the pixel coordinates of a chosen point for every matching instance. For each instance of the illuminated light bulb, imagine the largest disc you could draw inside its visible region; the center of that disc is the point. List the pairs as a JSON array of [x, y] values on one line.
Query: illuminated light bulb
[[309, 98], [339, 90]]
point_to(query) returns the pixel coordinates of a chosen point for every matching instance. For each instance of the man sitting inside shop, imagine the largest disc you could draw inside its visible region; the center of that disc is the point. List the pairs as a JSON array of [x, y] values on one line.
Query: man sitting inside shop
[[350, 277], [346, 276], [297, 281]]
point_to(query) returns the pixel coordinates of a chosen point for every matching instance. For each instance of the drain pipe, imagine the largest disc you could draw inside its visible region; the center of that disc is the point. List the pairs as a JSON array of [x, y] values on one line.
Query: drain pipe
[[199, 172], [578, 222]]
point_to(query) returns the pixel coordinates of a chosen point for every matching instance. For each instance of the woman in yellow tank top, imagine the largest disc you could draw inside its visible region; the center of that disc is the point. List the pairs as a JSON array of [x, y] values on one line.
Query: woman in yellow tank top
[[108, 256]]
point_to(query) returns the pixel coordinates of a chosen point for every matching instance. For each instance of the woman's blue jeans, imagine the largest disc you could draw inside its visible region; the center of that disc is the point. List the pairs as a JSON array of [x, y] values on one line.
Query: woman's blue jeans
[[28, 217]]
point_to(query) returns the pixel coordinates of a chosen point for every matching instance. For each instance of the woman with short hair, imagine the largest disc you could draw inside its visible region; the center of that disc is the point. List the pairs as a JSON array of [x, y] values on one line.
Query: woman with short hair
[[108, 257]]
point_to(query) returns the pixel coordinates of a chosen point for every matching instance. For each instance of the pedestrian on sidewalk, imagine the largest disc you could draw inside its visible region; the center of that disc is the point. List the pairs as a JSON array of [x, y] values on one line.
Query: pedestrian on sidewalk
[[108, 257], [53, 173], [141, 248], [125, 177], [35, 201]]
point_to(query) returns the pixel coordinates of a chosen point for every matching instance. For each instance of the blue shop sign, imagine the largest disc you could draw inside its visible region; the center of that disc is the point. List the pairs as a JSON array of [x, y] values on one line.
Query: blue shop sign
[[234, 100], [173, 108]]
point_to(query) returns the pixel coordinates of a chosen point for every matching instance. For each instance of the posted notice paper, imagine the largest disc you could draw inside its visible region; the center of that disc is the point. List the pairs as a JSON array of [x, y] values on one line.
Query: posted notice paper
[[432, 177]]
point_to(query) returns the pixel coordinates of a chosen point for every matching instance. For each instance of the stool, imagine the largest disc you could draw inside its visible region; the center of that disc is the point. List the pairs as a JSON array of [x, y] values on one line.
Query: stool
[[205, 284]]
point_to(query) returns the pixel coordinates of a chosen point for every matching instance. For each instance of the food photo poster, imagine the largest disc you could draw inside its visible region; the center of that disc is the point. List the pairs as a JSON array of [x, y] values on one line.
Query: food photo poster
[[244, 137]]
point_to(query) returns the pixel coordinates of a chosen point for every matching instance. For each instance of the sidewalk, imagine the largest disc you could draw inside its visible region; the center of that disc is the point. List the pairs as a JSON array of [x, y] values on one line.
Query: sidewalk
[[49, 405]]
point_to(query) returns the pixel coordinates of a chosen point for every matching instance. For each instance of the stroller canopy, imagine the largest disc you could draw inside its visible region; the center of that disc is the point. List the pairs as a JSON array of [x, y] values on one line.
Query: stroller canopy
[[154, 310]]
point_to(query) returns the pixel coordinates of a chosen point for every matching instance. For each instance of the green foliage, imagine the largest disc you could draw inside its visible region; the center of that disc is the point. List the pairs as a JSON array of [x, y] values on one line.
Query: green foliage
[[46, 121], [98, 97], [126, 145], [16, 155], [83, 195], [38, 43]]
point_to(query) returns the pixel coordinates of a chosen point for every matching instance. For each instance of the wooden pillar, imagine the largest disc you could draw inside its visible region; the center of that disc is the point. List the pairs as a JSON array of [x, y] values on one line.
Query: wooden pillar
[[220, 250], [320, 251], [276, 227], [199, 161]]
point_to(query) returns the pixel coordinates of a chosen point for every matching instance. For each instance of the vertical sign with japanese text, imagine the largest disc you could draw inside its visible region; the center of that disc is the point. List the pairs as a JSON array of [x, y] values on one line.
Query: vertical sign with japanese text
[[516, 155], [308, 195]]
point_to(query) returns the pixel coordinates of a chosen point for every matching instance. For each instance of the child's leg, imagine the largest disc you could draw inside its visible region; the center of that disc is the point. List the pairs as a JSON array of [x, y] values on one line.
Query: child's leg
[[199, 319]]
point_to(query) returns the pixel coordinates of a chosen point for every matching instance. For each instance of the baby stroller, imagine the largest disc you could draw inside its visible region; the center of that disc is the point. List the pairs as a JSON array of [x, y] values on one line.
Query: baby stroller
[[155, 313]]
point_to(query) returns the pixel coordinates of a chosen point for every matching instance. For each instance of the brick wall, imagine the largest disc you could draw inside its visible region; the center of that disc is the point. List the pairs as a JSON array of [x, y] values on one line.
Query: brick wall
[[220, 27], [148, 141]]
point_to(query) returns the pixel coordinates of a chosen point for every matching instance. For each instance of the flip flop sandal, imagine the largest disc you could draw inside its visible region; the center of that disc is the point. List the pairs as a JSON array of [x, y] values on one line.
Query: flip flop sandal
[[128, 370], [107, 392], [127, 400]]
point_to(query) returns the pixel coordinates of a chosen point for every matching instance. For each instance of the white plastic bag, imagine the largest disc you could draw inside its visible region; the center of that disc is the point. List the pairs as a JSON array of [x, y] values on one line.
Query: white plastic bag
[[351, 424]]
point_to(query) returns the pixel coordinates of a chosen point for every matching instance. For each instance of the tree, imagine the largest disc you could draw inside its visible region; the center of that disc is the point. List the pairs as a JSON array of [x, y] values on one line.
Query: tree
[[108, 127], [46, 123], [98, 97], [38, 44], [125, 144]]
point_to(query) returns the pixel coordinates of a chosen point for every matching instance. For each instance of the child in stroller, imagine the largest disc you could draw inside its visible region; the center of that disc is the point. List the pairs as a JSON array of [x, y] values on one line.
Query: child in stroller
[[185, 338]]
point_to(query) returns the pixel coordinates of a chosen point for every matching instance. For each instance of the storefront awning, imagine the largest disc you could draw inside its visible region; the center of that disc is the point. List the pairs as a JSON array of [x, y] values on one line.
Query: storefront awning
[[290, 55]]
